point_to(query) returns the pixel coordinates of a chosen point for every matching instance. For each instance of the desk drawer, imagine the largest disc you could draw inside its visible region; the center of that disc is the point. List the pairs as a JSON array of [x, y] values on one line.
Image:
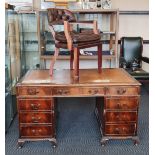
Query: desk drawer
[[120, 117], [36, 131], [79, 91], [34, 91], [93, 91], [122, 103], [69, 91], [35, 117], [120, 90], [120, 129], [36, 104]]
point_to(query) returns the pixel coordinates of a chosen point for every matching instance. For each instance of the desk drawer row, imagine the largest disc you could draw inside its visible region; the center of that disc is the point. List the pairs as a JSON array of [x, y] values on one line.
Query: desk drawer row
[[129, 103], [76, 91]]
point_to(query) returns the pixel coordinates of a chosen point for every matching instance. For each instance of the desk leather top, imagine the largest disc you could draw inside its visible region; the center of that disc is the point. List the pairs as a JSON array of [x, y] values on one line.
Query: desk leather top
[[86, 76]]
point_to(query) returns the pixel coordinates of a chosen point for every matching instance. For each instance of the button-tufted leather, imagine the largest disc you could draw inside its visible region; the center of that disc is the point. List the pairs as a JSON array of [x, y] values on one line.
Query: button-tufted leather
[[58, 16]]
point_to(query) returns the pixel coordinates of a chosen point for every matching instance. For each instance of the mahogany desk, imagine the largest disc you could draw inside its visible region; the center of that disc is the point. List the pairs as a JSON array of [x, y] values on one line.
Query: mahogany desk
[[117, 101]]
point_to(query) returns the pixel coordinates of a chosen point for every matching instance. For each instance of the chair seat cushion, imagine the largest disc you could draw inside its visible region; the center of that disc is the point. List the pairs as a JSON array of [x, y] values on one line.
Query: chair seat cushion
[[77, 37], [139, 74]]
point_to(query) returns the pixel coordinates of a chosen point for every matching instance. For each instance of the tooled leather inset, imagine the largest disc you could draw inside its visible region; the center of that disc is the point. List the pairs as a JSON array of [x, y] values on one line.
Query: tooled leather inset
[[58, 16]]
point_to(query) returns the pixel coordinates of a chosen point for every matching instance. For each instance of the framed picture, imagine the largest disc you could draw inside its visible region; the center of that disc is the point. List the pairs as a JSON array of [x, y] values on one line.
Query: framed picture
[[92, 4], [89, 4], [106, 4]]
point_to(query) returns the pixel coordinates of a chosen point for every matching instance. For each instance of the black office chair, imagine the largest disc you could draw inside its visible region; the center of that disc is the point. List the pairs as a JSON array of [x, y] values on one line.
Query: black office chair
[[131, 58]]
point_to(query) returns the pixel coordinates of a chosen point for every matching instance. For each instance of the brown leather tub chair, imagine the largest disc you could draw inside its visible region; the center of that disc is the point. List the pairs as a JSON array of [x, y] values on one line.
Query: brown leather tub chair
[[72, 40], [131, 58]]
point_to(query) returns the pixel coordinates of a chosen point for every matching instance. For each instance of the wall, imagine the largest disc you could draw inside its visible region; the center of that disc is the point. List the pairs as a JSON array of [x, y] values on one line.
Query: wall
[[131, 4]]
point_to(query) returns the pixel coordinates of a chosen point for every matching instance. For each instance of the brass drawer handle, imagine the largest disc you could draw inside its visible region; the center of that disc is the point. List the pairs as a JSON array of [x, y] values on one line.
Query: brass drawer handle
[[59, 92], [93, 92], [63, 92], [35, 119], [32, 91], [117, 130], [121, 106], [35, 106], [124, 117], [117, 117], [121, 91], [35, 132], [40, 130], [118, 105], [124, 130]]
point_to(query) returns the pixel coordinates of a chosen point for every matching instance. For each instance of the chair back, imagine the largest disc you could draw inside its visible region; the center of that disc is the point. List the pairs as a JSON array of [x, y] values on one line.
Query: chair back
[[57, 16], [131, 49]]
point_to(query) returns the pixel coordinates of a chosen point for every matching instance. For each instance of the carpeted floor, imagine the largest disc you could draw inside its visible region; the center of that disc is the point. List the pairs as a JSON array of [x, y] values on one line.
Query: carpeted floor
[[78, 132]]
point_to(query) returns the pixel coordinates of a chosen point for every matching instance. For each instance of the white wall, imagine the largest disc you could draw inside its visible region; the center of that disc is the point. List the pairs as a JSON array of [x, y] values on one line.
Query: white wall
[[134, 25], [130, 4]]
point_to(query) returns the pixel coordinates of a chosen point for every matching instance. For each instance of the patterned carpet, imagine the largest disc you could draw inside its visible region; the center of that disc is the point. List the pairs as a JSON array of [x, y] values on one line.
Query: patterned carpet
[[78, 132]]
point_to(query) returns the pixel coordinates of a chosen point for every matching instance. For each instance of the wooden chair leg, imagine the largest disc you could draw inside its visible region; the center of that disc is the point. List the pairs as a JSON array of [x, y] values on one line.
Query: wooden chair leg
[[76, 63], [100, 58], [71, 59], [56, 53]]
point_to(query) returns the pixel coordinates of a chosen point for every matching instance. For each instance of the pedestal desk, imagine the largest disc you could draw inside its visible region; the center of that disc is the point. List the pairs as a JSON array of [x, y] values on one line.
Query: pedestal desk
[[117, 101]]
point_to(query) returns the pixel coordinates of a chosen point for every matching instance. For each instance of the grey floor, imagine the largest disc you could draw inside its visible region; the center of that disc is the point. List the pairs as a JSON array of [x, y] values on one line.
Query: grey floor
[[78, 132]]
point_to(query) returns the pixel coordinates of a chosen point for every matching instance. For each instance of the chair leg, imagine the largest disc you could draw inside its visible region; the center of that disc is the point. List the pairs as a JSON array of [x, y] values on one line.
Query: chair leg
[[71, 59], [100, 58], [56, 53], [76, 63]]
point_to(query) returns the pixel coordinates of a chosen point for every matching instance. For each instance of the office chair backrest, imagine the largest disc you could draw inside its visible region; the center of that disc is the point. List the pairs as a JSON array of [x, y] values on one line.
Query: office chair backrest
[[58, 16], [131, 49]]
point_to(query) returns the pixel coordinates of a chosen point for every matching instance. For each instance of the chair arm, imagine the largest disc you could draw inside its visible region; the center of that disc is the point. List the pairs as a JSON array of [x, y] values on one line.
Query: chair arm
[[122, 62], [52, 31], [83, 22], [93, 22], [67, 30], [145, 59]]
